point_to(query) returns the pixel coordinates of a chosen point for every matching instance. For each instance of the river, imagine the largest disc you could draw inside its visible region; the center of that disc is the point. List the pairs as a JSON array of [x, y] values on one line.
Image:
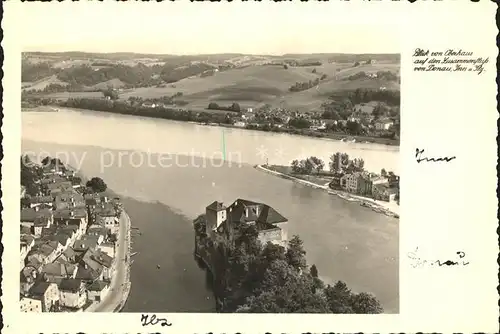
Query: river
[[346, 241]]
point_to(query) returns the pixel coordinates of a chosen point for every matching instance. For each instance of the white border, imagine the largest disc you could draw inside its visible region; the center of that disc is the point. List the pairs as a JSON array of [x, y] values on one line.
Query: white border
[[444, 209]]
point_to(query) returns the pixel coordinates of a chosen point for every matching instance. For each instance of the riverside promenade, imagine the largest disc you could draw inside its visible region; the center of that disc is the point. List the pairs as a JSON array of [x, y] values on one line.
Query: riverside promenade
[[120, 282]]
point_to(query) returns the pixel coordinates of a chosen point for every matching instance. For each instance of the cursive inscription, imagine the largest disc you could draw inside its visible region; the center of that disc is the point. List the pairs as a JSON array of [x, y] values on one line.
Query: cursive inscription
[[417, 261], [420, 158], [147, 320]]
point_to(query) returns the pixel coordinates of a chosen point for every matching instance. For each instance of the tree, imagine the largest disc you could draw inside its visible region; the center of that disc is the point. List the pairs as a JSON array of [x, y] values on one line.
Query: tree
[[97, 184], [313, 271], [213, 105], [365, 303], [339, 298], [295, 166], [111, 93], [295, 253], [383, 172], [285, 67], [314, 70], [235, 107], [317, 164]]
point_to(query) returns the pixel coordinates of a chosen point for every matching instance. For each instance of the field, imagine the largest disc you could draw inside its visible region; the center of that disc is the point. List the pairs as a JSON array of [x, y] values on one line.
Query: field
[[251, 84]]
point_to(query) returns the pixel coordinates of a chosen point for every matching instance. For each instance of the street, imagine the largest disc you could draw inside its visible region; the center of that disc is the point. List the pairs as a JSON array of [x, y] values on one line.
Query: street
[[120, 279]]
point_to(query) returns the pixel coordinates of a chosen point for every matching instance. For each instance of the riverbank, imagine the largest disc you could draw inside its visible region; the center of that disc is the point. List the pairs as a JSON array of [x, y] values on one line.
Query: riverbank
[[386, 208], [296, 132], [120, 281]]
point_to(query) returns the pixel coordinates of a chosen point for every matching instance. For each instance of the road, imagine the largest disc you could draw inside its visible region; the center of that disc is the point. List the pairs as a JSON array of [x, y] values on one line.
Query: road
[[120, 279]]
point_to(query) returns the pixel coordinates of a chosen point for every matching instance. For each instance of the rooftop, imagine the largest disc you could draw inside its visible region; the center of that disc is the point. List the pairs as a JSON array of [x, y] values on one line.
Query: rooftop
[[70, 285]]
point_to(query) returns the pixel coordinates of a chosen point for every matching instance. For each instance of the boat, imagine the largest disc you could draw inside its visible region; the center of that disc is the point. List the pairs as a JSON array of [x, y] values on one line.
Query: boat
[[134, 254], [158, 266]]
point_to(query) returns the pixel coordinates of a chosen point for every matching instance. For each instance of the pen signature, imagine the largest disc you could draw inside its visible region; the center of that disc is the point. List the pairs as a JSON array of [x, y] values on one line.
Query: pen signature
[[153, 320], [419, 157], [420, 262]]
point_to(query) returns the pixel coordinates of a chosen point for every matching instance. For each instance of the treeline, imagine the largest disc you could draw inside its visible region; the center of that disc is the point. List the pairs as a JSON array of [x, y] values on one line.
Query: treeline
[[363, 95], [301, 86], [139, 75], [125, 108], [30, 175], [31, 72], [235, 107], [253, 278], [382, 75]]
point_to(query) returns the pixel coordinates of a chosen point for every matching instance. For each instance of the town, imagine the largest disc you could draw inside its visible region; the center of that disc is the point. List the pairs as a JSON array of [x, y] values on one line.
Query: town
[[74, 238]]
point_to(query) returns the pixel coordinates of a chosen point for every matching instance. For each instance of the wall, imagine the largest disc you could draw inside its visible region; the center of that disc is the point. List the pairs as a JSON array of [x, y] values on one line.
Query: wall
[[30, 305], [74, 300], [270, 235]]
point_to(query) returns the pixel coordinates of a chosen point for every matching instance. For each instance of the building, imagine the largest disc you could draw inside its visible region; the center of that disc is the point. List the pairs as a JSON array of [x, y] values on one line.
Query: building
[[97, 291], [384, 192], [384, 124], [72, 293], [30, 304], [47, 293], [226, 222], [27, 243], [56, 271], [366, 183], [349, 182]]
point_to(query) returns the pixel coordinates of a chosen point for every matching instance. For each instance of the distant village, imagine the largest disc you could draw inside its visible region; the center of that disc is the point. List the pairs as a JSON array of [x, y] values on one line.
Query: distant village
[[68, 236]]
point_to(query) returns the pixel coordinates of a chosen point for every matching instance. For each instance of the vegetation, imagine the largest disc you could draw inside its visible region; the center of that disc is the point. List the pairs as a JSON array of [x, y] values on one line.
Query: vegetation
[[36, 71], [235, 107], [97, 184], [30, 174], [300, 86], [255, 278], [307, 166]]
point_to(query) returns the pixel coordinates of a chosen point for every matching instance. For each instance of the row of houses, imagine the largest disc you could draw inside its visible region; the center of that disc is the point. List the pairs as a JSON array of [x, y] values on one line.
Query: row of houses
[[367, 184], [67, 249]]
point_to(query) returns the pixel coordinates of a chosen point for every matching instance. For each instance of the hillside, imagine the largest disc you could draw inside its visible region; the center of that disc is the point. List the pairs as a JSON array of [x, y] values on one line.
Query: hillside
[[250, 80]]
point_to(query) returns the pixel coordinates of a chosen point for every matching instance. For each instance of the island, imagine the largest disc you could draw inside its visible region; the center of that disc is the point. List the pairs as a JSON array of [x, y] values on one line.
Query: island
[[345, 178], [75, 242]]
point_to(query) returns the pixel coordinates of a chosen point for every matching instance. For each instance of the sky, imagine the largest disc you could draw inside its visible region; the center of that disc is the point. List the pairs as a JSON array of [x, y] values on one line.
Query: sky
[[201, 28]]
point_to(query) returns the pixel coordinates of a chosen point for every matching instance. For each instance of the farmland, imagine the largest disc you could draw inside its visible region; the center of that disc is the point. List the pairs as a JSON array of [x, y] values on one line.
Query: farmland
[[246, 79]]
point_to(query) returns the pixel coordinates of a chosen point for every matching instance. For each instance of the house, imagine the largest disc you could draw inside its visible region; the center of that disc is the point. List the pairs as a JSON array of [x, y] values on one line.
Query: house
[[384, 192], [240, 124], [349, 182], [97, 291], [384, 124], [108, 248], [149, 105], [41, 200], [106, 262], [68, 256], [43, 253], [30, 304], [56, 271], [27, 243], [47, 293], [366, 183], [72, 293], [28, 276], [225, 222], [40, 224], [29, 215], [74, 216], [82, 245], [98, 231], [69, 201]]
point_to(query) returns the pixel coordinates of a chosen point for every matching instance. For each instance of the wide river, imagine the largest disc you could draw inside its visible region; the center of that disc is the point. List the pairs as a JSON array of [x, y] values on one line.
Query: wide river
[[167, 172]]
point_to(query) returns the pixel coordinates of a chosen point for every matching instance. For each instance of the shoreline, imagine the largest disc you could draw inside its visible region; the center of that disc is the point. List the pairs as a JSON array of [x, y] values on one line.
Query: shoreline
[[319, 135], [118, 306], [376, 206]]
